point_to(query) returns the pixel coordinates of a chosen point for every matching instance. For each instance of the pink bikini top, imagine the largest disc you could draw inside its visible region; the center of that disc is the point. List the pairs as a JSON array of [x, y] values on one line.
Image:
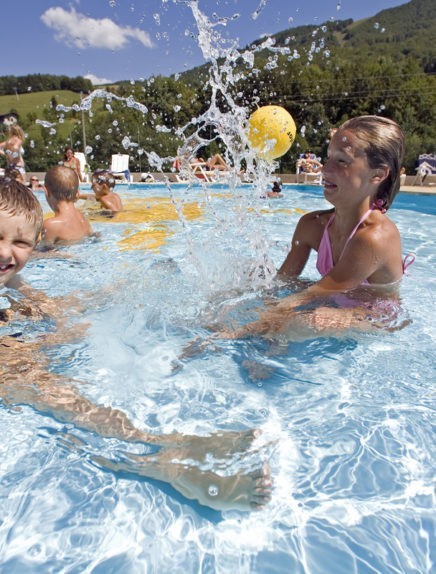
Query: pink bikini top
[[325, 263]]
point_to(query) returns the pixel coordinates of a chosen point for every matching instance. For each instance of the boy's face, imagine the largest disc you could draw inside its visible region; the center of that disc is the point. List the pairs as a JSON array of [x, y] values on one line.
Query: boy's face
[[17, 241], [100, 189]]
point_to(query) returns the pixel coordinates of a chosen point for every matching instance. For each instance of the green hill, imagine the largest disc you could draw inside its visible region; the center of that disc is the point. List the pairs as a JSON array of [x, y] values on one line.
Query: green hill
[[39, 105], [407, 31]]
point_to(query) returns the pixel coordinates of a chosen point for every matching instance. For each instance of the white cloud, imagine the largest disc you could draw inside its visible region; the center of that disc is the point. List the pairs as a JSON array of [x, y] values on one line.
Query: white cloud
[[96, 81], [80, 31]]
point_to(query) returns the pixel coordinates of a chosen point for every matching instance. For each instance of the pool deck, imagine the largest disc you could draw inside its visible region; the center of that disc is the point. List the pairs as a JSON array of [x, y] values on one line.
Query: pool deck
[[429, 188], [421, 189]]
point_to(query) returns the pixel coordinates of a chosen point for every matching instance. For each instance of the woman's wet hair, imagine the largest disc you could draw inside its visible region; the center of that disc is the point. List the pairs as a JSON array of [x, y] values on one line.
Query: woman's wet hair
[[383, 144], [17, 199]]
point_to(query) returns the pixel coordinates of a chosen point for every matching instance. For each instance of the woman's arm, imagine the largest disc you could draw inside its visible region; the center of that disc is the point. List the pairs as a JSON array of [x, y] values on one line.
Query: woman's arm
[[365, 256], [307, 236], [78, 171], [360, 260]]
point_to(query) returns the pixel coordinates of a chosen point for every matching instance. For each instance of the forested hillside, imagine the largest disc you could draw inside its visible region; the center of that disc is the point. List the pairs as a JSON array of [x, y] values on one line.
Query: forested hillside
[[322, 74]]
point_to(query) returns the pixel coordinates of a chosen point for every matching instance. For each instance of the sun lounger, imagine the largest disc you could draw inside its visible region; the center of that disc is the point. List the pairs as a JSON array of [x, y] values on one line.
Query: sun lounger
[[120, 167]]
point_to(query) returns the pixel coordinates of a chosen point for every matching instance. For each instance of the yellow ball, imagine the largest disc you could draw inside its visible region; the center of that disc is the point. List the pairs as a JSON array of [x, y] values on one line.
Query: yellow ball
[[271, 131]]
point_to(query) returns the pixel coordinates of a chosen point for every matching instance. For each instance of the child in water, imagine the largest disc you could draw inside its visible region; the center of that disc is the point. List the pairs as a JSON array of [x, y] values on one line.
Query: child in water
[[20, 228], [358, 246], [103, 183], [62, 191], [26, 379]]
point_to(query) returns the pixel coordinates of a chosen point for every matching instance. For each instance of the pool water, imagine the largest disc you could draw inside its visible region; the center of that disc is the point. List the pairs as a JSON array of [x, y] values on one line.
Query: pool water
[[352, 416]]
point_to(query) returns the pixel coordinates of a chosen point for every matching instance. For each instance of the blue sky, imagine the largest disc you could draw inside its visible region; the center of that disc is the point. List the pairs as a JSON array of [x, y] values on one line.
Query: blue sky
[[110, 40]]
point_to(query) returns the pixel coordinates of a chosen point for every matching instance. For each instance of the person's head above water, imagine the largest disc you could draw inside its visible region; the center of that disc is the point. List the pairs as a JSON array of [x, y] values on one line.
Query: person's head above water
[[20, 227], [382, 141], [103, 177], [62, 183]]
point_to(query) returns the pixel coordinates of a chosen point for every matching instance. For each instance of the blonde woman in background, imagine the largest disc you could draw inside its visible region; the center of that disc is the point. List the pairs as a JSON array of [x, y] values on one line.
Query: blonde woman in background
[[12, 149]]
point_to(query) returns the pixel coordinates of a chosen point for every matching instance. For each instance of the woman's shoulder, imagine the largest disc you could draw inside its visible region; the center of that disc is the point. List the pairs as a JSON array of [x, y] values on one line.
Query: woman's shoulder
[[379, 227], [319, 217]]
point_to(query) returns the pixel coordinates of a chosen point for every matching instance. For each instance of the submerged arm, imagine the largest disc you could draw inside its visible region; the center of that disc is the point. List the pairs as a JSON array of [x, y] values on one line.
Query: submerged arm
[[358, 263]]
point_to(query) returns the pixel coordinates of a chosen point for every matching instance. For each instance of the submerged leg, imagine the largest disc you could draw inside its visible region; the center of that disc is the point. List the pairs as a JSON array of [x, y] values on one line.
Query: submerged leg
[[24, 379], [245, 492]]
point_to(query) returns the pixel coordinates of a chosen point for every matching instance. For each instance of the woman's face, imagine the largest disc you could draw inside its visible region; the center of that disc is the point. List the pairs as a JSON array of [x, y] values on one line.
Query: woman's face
[[346, 173]]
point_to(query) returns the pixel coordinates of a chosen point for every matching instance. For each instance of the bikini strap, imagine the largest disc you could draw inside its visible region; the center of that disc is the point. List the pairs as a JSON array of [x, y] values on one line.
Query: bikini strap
[[407, 261], [361, 220]]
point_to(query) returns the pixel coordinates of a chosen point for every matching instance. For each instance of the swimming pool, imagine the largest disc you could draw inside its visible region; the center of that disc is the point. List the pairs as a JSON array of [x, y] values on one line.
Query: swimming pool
[[353, 416]]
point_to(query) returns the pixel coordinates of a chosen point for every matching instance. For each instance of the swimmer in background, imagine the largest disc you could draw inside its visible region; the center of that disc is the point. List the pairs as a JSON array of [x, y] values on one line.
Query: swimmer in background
[[12, 149], [25, 378], [62, 191], [72, 162], [103, 183], [276, 190], [358, 246]]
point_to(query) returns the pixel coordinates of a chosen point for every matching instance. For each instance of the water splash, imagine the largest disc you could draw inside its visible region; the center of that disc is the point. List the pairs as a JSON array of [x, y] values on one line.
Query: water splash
[[259, 9], [86, 103]]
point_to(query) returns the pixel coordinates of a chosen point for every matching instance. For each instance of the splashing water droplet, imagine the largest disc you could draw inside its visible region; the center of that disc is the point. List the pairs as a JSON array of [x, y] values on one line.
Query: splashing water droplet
[[213, 490], [259, 9]]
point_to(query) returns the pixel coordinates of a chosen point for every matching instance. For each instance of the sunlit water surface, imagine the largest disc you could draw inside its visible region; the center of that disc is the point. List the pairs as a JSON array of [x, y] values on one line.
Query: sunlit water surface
[[353, 415]]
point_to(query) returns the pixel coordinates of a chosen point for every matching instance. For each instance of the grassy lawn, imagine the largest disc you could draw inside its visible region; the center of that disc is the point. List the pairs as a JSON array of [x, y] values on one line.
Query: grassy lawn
[[26, 103], [36, 102]]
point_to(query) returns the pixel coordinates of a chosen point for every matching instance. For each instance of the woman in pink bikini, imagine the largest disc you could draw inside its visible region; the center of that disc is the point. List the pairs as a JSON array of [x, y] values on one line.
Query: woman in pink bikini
[[359, 247]]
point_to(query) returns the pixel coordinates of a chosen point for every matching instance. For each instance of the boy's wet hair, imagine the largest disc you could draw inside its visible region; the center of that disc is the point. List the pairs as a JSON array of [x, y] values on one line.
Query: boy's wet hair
[[383, 144], [17, 199], [13, 173], [62, 183], [104, 176]]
